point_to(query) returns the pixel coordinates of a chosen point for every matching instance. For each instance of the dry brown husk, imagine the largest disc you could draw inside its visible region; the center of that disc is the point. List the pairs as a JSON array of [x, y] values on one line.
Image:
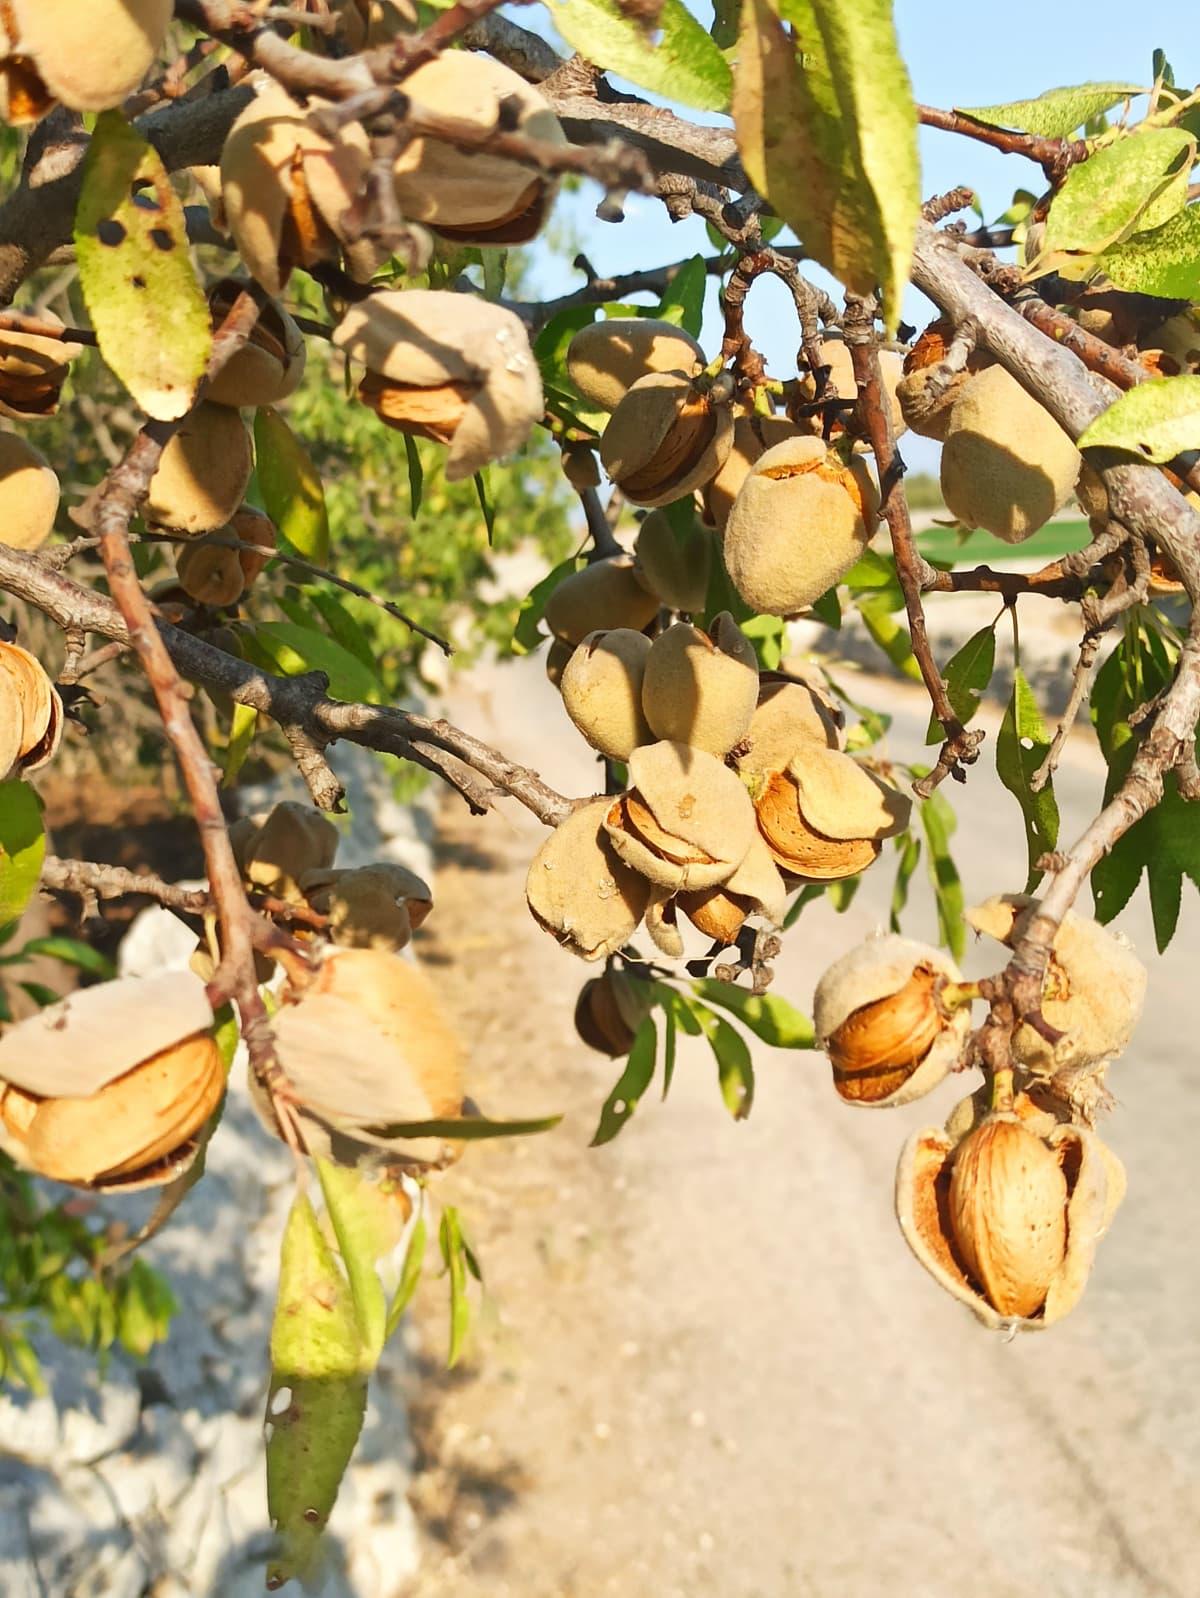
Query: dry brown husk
[[33, 370], [798, 849], [701, 688], [286, 188], [606, 358], [1094, 1181], [603, 596], [378, 906], [449, 367], [251, 526], [609, 1010], [756, 888], [41, 709], [210, 570], [664, 439], [471, 196], [88, 64], [579, 890], [601, 688], [686, 821], [789, 716], [293, 840], [268, 366], [203, 472], [825, 817], [29, 494]]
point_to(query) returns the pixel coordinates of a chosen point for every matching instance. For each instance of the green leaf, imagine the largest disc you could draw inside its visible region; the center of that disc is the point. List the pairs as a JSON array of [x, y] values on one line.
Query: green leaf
[[416, 476], [1137, 184], [1163, 262], [1021, 746], [22, 848], [140, 288], [290, 486], [634, 1080], [827, 130], [1055, 114], [910, 854], [457, 1257], [414, 1264], [342, 625], [526, 637], [368, 1221], [468, 1129], [735, 1069], [242, 728], [685, 295], [484, 495], [966, 675], [72, 952], [292, 650], [726, 17], [768, 1015], [684, 66], [670, 1040], [828, 609], [1158, 420], [889, 635], [939, 822], [317, 1397]]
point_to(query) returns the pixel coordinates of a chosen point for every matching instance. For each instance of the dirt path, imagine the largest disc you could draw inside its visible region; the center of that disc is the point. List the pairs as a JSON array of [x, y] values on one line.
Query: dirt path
[[708, 1363]]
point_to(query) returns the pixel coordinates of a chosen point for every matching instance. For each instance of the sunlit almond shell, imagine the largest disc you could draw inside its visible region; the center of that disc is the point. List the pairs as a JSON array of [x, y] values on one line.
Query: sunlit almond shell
[[33, 369], [433, 413], [371, 907], [12, 723], [755, 888], [661, 924], [798, 849], [841, 798], [203, 472], [686, 822], [24, 98], [840, 384], [606, 358], [74, 1047], [752, 436], [579, 890], [41, 708]]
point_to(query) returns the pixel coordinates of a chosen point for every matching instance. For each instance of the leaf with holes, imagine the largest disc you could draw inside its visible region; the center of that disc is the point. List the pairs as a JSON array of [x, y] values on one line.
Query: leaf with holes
[[1054, 114], [1156, 420], [140, 288], [1021, 746]]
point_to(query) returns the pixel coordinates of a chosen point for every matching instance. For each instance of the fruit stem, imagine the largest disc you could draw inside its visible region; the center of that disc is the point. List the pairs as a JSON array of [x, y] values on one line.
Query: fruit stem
[[954, 995], [1002, 1092]]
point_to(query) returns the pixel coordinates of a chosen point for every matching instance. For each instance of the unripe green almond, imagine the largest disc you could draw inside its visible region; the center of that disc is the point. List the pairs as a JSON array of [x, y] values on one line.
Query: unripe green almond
[[602, 691], [203, 473], [579, 890], [701, 690], [788, 718], [29, 494], [472, 196], [665, 439], [90, 56], [799, 523], [602, 596], [752, 436], [605, 359], [835, 354], [674, 566], [1007, 465], [686, 822]]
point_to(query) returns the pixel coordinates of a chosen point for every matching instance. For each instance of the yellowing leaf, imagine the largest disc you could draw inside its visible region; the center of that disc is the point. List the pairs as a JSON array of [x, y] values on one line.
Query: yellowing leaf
[[22, 848], [138, 282], [1157, 420], [1164, 261], [1056, 113], [1139, 182], [290, 486], [684, 65]]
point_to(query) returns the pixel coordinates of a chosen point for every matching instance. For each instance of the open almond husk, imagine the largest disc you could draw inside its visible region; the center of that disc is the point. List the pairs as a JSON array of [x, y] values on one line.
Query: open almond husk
[[29, 494], [579, 890], [41, 709], [1035, 1261], [826, 816], [756, 888], [111, 1087], [685, 822], [269, 365], [666, 437], [609, 1010], [33, 369], [369, 907]]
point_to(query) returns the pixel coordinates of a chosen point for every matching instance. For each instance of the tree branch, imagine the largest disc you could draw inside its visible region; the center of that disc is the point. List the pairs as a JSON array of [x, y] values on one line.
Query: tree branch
[[1054, 156]]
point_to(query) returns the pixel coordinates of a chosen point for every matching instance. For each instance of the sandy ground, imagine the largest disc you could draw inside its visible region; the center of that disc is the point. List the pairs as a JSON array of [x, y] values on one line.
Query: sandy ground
[[707, 1361]]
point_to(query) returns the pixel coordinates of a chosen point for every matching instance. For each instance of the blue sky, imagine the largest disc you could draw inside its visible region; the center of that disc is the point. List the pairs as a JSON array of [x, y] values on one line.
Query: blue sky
[[957, 54]]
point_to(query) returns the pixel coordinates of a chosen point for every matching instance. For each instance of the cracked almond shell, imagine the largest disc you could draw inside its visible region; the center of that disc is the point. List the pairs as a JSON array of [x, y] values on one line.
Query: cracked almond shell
[[1007, 465], [604, 595], [579, 890], [33, 370], [800, 522], [286, 187], [673, 566], [1094, 1182], [88, 57], [29, 494], [449, 367], [1094, 989], [472, 196], [686, 821], [876, 1016], [605, 359], [369, 907], [664, 439], [294, 839], [268, 366], [109, 1087], [601, 689], [789, 716], [202, 474], [699, 688]]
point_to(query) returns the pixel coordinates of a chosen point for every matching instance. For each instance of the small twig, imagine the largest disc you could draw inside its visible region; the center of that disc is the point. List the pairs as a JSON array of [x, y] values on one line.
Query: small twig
[[1054, 156], [1080, 682], [961, 746], [84, 877], [349, 587], [33, 327], [941, 206]]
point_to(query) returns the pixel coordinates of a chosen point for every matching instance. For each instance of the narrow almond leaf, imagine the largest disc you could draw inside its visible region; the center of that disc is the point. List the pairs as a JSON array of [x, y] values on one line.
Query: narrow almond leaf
[[416, 476], [684, 65], [768, 1015], [1163, 262], [893, 639], [1134, 185], [317, 1397], [459, 1261], [910, 855], [140, 288], [342, 625], [670, 1043], [468, 1129], [634, 1080], [939, 822], [526, 637], [22, 848], [483, 494], [966, 675], [414, 1264], [1158, 420], [735, 1069], [290, 486], [826, 128], [1056, 113], [241, 736], [72, 952], [292, 650], [683, 301], [1021, 746]]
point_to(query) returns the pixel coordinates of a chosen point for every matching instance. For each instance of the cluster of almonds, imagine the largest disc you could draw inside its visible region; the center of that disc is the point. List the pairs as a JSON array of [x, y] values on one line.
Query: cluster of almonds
[[792, 516], [1005, 1206]]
